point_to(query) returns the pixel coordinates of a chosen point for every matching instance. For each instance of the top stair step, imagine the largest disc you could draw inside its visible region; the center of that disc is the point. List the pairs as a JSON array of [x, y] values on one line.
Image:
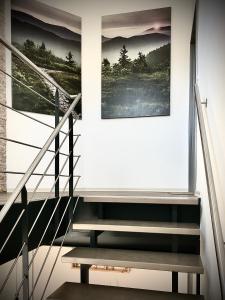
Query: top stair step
[[140, 197]]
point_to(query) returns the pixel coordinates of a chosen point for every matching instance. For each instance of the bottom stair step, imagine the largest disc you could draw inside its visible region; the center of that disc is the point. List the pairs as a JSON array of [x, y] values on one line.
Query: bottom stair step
[[76, 291]]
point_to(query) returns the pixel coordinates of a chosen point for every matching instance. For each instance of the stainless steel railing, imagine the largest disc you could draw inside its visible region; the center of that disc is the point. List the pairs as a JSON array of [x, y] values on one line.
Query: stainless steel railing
[[37, 160], [62, 196], [213, 201]]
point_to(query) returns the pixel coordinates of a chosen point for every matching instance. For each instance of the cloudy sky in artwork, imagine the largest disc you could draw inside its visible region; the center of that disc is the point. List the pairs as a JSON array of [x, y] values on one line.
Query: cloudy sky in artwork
[[137, 23], [48, 14]]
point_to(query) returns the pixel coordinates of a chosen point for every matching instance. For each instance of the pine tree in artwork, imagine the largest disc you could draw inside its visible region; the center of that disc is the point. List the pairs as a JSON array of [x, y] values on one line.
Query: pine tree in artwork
[[124, 60], [69, 58], [42, 47]]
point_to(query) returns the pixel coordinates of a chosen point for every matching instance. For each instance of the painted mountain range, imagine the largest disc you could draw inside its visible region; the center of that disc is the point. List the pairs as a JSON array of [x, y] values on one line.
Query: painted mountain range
[[144, 43], [59, 39]]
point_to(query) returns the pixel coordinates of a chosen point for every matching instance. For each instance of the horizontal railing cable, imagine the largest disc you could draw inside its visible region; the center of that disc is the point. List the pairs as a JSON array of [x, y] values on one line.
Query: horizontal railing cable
[[21, 249], [30, 145], [29, 117], [33, 194], [52, 242], [34, 174], [16, 259], [21, 186], [30, 231], [60, 248], [36, 161], [45, 231], [43, 205], [32, 118], [40, 211], [39, 182]]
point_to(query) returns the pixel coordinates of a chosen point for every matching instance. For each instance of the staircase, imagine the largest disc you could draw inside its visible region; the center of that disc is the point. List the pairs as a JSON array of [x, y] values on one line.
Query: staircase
[[142, 230], [134, 229]]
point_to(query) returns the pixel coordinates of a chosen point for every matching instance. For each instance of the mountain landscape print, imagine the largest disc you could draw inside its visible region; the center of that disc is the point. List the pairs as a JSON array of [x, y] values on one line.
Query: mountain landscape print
[[51, 39], [136, 59]]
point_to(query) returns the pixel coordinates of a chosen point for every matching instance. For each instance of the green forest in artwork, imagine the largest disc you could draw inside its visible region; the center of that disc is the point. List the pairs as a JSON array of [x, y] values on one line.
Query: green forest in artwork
[[66, 72], [143, 84]]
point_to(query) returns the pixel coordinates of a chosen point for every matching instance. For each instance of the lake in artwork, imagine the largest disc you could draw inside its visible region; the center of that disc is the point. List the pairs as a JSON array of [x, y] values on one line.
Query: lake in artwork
[[136, 64]]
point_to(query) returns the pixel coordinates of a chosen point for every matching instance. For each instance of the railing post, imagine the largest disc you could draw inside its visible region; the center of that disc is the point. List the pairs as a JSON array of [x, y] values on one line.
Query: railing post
[[25, 253], [57, 144], [71, 162], [56, 217], [192, 169], [175, 276]]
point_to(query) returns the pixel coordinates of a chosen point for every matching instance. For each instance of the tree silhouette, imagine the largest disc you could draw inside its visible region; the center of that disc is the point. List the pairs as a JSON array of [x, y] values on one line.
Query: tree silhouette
[[105, 62], [69, 58], [124, 60], [29, 45], [106, 68], [42, 47], [140, 63]]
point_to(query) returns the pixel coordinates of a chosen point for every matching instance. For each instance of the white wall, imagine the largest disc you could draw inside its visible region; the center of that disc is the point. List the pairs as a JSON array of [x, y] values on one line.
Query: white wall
[[210, 76], [129, 153]]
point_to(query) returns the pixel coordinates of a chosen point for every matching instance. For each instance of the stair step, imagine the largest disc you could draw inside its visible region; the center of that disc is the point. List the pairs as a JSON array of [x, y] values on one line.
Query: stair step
[[138, 226], [140, 197], [71, 291], [164, 261], [131, 241]]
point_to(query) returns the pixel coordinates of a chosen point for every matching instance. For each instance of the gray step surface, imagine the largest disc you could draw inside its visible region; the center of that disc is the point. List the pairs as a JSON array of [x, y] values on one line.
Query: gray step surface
[[164, 261], [141, 197], [76, 291], [138, 226]]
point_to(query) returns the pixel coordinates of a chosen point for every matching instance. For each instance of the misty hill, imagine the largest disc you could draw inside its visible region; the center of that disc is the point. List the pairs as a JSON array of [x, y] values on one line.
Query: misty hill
[[57, 30], [160, 58], [137, 39], [144, 43], [38, 31]]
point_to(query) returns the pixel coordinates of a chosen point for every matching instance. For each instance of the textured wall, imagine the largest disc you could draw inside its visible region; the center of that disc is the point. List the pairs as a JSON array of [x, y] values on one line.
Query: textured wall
[[2, 99]]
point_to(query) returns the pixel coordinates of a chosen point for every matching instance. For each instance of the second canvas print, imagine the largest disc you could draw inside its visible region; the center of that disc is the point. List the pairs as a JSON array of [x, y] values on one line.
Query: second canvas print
[[136, 64]]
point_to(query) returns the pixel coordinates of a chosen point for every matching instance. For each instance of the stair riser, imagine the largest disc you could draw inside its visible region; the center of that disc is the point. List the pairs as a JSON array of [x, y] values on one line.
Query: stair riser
[[160, 213]]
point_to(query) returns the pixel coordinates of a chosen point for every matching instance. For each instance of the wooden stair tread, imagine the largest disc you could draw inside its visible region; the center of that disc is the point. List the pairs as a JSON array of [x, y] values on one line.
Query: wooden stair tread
[[144, 197], [72, 291], [138, 226], [164, 261]]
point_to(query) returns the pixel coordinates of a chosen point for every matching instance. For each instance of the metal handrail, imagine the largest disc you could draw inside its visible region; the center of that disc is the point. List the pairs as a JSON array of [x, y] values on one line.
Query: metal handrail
[[213, 203], [27, 61], [36, 161]]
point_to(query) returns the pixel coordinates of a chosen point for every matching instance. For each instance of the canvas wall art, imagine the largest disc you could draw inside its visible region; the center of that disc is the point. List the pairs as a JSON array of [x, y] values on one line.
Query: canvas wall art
[[136, 64], [50, 38]]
